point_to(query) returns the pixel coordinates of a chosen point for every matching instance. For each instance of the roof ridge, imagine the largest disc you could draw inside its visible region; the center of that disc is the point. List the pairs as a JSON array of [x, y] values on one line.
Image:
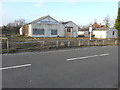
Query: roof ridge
[[40, 18]]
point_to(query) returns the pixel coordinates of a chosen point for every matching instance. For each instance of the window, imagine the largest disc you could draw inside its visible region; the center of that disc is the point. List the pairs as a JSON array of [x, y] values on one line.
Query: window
[[38, 31], [68, 29], [113, 32], [54, 32]]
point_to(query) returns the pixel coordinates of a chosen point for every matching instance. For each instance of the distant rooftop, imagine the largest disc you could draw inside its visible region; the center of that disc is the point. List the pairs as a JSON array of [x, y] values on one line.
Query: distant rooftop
[[66, 22]]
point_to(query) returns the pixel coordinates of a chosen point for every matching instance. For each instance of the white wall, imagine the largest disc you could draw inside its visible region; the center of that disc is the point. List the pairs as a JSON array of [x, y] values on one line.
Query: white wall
[[85, 33], [99, 34], [109, 33], [106, 33], [20, 31], [47, 29], [81, 32], [30, 30]]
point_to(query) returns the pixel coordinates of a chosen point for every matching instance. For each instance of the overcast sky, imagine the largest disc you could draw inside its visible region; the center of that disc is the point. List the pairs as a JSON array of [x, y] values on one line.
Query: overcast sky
[[82, 12]]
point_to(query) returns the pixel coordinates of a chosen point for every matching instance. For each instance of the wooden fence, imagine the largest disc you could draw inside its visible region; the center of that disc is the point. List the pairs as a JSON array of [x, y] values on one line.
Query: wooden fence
[[47, 45]]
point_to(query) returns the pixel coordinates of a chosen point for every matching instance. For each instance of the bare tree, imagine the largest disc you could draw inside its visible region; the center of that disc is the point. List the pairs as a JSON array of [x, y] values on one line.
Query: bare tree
[[19, 22], [13, 27], [107, 21]]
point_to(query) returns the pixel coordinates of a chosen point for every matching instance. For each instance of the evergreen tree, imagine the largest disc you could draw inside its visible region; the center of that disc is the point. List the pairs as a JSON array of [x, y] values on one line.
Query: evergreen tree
[[117, 22]]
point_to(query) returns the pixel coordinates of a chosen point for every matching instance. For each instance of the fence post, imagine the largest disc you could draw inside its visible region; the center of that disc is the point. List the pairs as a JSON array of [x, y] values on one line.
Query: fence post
[[96, 42], [88, 42], [57, 44], [7, 44], [115, 42], [43, 45], [68, 43], [79, 43], [103, 42]]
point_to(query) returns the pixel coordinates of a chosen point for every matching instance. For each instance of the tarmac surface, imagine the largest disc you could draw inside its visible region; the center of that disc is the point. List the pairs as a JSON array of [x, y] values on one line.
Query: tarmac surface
[[94, 67]]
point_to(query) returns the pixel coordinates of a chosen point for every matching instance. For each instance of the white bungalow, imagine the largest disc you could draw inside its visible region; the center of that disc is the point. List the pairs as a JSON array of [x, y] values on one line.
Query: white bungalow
[[48, 27], [71, 29], [105, 33]]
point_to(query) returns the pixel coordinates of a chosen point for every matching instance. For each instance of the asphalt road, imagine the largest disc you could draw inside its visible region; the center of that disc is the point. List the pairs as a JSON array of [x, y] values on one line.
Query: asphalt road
[[95, 67]]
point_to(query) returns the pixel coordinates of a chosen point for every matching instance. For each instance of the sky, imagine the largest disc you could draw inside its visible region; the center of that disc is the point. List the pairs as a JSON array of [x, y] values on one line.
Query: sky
[[81, 12]]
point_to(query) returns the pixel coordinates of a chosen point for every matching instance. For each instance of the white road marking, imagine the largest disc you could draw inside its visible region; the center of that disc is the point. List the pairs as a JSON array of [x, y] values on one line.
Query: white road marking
[[88, 57], [13, 67]]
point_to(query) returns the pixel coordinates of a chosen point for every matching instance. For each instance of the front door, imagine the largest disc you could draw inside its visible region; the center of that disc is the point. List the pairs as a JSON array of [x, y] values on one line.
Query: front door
[[68, 32]]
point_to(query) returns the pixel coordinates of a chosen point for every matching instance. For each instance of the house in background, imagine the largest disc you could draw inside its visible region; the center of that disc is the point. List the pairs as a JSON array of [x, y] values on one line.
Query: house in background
[[105, 33], [49, 27], [43, 27], [71, 29], [83, 32], [99, 31], [96, 25]]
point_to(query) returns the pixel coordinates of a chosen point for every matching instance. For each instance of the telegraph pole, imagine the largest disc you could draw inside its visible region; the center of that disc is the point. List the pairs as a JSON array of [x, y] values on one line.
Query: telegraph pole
[[90, 30]]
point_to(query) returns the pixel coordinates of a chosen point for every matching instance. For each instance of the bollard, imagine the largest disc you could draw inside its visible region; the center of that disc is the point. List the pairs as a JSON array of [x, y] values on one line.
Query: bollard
[[103, 42]]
